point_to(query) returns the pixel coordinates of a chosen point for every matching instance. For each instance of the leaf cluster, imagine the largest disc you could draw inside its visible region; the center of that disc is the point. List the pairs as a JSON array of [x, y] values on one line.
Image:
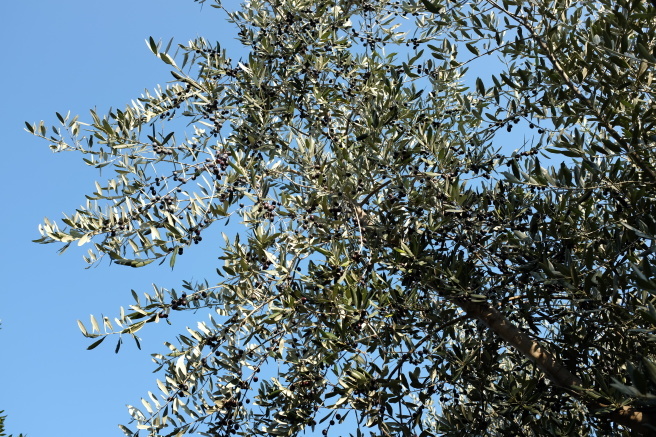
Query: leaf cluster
[[399, 247]]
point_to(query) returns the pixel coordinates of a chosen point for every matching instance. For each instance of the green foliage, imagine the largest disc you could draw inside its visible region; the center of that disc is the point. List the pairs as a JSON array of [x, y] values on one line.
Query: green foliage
[[2, 426], [404, 262]]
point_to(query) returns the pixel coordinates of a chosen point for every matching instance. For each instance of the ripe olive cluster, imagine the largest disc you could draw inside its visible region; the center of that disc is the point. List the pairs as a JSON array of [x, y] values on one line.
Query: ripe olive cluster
[[515, 119], [268, 209], [168, 201], [262, 261], [185, 299], [166, 107], [161, 150], [181, 302]]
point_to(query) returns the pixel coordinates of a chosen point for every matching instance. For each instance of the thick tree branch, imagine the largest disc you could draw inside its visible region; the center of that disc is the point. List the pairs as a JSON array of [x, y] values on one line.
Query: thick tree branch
[[629, 417], [521, 341], [639, 422]]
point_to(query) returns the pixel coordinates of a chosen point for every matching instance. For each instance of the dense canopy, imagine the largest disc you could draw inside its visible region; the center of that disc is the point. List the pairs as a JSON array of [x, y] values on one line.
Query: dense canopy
[[399, 256]]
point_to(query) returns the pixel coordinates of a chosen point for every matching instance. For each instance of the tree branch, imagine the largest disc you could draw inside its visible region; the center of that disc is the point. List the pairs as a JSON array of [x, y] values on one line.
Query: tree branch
[[637, 421], [561, 71], [521, 341]]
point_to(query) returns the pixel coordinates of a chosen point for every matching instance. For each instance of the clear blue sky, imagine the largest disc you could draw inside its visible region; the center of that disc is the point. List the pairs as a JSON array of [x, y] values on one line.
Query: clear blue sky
[[60, 56]]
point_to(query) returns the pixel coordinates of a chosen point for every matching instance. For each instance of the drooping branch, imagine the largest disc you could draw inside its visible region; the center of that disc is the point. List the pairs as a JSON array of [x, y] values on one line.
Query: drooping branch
[[548, 363]]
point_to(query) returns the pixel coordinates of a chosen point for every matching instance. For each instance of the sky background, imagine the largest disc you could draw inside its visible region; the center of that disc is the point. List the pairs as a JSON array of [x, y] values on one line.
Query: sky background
[[73, 55]]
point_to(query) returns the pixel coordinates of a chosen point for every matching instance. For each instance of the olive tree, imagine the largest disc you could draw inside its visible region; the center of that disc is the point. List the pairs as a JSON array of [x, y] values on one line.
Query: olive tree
[[395, 257], [2, 426], [4, 417], [2, 420]]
